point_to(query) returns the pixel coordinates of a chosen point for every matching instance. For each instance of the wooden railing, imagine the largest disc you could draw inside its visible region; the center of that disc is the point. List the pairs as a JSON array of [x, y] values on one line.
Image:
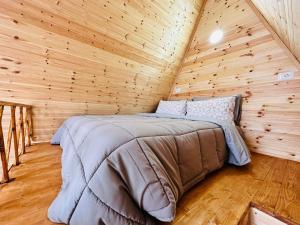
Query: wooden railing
[[20, 131]]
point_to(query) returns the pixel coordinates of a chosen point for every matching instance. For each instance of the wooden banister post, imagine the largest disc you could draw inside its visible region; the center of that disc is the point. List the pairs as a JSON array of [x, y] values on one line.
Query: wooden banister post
[[22, 130], [31, 122], [27, 126], [8, 145], [2, 149], [14, 132]]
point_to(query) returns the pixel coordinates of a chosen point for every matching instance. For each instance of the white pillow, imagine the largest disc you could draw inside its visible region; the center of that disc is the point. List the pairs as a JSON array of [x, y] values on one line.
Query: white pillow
[[218, 109], [172, 107]]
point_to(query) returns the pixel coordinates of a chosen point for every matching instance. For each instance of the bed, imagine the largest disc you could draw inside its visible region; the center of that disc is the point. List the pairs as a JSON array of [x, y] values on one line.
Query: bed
[[132, 170]]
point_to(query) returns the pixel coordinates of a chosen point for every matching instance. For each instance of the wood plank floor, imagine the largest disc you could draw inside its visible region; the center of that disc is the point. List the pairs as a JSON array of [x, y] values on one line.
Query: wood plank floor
[[220, 199]]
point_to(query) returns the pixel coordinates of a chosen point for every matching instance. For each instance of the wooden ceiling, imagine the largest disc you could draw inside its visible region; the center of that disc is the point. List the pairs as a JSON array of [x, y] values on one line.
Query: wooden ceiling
[[246, 61], [68, 57], [284, 17]]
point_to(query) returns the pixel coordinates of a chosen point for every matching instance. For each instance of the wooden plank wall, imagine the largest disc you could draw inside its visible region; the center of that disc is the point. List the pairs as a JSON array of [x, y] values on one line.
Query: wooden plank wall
[[68, 57], [284, 16], [246, 61]]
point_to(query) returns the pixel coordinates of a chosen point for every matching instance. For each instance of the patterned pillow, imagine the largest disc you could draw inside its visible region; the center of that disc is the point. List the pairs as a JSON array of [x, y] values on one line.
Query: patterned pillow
[[218, 109], [172, 107], [237, 113]]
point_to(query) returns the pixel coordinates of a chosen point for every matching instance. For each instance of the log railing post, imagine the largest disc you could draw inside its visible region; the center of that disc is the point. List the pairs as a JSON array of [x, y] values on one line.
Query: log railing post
[[27, 126], [31, 122], [9, 135], [14, 132], [2, 149], [22, 130]]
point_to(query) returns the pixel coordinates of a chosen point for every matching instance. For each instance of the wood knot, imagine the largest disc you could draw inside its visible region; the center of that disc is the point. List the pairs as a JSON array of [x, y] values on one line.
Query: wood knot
[[248, 94], [247, 54]]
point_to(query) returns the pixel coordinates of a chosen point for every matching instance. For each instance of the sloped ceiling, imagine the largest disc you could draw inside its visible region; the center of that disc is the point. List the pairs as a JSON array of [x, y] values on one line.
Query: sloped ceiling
[[90, 57], [246, 61], [284, 17]]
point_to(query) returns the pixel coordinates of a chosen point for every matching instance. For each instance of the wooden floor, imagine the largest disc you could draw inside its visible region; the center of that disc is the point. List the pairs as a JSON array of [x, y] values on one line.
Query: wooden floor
[[221, 199]]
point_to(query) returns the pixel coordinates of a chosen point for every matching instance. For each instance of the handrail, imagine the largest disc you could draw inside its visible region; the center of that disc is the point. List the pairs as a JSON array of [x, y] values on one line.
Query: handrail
[[18, 130], [4, 103]]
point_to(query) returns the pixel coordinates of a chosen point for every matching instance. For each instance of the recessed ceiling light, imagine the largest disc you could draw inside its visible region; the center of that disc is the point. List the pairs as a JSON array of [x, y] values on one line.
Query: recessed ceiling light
[[216, 36]]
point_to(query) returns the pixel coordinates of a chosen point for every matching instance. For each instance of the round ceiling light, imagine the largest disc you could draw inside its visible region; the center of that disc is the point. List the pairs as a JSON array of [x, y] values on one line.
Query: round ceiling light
[[216, 36]]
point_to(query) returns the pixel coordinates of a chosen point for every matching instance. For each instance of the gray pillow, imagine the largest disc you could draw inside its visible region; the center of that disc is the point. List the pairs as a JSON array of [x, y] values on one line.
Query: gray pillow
[[172, 107], [237, 114]]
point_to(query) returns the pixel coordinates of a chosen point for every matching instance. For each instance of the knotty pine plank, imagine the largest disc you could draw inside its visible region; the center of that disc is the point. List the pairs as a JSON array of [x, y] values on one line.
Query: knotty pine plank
[[91, 54], [247, 61]]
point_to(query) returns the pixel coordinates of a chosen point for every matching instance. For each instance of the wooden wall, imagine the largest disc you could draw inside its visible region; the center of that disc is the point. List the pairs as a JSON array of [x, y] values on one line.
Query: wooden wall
[[246, 61], [68, 57], [284, 17]]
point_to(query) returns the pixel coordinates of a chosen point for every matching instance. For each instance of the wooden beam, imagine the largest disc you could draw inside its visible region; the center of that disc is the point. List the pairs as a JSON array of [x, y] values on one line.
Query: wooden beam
[[2, 149], [188, 45], [14, 132], [273, 33]]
